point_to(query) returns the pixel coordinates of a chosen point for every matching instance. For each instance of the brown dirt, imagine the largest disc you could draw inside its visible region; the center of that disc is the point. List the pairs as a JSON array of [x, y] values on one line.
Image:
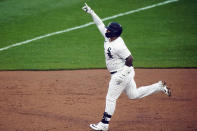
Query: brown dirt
[[71, 100]]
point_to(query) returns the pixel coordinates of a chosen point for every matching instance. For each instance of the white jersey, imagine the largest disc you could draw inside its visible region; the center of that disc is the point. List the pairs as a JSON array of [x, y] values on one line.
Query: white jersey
[[115, 51], [115, 54]]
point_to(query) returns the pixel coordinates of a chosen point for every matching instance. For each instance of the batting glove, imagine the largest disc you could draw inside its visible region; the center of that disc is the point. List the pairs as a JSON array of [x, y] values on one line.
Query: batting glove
[[87, 9]]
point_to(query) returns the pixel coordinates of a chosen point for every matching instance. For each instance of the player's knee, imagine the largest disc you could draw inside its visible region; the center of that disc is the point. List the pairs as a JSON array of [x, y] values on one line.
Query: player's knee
[[133, 95]]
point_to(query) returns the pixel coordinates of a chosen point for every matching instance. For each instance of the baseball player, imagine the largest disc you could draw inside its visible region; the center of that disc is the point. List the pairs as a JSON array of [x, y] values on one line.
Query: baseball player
[[119, 62]]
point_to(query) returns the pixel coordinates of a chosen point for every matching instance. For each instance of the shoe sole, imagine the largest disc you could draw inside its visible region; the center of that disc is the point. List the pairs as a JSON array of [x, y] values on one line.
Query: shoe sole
[[92, 126], [95, 128]]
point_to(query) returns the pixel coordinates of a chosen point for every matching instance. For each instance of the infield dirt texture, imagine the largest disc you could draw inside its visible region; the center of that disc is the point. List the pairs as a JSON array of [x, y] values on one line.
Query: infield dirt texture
[[71, 100]]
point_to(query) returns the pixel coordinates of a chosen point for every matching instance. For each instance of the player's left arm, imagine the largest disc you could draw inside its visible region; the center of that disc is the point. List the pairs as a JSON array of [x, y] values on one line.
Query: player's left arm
[[129, 61], [125, 54]]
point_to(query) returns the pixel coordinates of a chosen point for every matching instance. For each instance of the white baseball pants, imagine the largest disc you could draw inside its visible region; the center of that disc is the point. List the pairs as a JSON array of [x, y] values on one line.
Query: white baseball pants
[[128, 85]]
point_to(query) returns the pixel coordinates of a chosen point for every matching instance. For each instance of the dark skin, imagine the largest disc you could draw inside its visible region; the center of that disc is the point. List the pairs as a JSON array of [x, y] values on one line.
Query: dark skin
[[129, 59]]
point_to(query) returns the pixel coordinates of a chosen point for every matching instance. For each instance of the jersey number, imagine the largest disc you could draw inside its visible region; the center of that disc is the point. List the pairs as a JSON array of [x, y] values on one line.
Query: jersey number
[[109, 53]]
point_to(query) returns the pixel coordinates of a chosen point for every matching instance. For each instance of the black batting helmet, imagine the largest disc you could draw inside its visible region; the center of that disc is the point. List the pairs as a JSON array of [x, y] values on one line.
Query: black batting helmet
[[115, 30]]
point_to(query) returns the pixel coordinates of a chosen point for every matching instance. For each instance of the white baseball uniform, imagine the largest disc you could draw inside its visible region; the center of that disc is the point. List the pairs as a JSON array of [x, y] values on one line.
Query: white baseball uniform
[[115, 54]]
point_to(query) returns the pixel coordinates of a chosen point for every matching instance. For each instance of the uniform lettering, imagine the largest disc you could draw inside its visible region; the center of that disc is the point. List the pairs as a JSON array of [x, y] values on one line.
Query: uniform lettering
[[109, 53]]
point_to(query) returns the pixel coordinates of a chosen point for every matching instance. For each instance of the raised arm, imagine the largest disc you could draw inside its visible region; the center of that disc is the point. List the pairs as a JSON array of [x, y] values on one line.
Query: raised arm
[[96, 19]]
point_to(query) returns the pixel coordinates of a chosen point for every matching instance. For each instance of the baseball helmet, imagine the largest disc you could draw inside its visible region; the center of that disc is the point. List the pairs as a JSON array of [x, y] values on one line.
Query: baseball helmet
[[115, 30]]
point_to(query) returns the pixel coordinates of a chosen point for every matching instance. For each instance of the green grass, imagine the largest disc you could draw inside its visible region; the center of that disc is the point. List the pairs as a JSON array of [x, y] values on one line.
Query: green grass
[[163, 36]]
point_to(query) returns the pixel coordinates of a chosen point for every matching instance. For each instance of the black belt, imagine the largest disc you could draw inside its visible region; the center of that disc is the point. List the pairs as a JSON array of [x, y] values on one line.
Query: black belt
[[113, 72]]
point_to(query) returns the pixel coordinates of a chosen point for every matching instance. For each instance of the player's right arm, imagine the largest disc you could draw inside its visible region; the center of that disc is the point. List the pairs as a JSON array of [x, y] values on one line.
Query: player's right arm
[[96, 19]]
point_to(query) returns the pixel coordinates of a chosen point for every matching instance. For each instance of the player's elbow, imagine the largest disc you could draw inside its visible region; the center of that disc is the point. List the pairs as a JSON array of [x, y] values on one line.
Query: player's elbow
[[129, 61]]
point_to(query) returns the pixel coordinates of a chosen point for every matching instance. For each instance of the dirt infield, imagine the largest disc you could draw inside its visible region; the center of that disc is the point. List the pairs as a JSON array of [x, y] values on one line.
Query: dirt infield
[[71, 100]]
